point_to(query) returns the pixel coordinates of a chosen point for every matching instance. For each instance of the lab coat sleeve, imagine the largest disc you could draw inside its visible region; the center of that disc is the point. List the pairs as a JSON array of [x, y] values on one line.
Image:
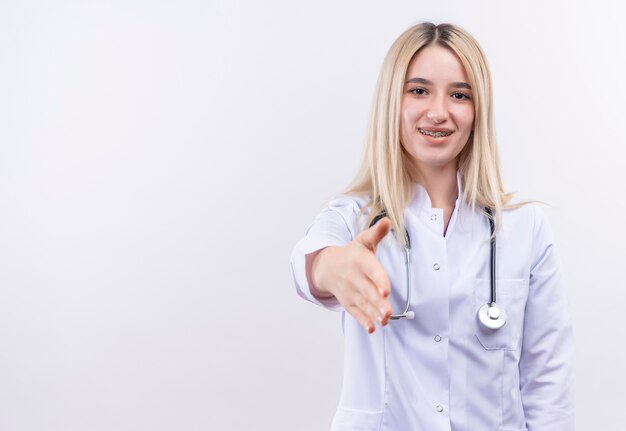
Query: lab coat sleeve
[[546, 361], [334, 226]]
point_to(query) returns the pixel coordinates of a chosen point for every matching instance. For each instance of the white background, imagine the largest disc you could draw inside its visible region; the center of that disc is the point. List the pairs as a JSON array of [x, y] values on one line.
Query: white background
[[159, 160]]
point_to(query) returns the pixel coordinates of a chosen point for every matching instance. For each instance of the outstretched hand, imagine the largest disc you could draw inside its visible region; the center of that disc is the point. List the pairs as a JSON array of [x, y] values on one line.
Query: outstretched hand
[[353, 274]]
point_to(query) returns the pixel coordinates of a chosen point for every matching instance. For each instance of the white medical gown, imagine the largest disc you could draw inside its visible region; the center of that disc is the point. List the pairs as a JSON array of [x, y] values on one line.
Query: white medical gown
[[444, 370]]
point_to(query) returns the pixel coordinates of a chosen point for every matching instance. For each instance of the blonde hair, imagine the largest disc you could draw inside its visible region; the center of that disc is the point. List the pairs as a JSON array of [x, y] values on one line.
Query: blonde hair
[[384, 174]]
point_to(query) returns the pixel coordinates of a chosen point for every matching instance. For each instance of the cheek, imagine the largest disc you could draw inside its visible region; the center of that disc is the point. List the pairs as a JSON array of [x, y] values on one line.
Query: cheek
[[405, 123], [408, 117], [465, 117], [470, 118]]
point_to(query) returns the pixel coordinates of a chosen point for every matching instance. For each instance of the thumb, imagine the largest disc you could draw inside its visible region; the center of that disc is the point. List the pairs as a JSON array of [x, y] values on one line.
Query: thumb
[[372, 236]]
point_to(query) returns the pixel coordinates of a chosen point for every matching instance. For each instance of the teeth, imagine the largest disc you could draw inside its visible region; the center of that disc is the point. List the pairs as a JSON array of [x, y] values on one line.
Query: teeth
[[434, 134]]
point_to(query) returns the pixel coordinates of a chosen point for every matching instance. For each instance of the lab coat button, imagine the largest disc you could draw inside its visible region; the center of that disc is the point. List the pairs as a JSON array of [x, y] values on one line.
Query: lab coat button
[[439, 408], [433, 217], [436, 267], [437, 338]]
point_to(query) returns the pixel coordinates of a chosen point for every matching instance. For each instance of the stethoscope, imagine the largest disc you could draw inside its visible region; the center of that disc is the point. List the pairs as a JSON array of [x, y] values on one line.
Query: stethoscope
[[490, 314]]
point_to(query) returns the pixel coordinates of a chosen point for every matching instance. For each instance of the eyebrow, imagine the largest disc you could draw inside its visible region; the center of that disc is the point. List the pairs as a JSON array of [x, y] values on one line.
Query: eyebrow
[[428, 82]]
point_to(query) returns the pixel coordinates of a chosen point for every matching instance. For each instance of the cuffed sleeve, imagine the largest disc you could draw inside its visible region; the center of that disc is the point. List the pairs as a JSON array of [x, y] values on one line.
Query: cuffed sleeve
[[546, 363], [334, 226]]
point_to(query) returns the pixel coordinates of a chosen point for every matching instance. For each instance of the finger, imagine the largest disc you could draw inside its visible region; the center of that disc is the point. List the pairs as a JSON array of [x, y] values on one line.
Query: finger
[[372, 268], [362, 318], [365, 296], [372, 236], [374, 310]]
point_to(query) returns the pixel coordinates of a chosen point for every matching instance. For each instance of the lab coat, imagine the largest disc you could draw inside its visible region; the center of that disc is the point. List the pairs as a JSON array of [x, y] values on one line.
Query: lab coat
[[444, 370]]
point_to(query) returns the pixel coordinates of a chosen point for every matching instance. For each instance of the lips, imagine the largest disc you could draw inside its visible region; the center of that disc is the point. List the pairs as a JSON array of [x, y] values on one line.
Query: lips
[[435, 132]]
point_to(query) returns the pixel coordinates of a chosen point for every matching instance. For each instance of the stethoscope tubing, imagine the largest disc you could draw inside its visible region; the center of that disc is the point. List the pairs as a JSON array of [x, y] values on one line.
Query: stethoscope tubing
[[407, 314], [490, 315], [493, 254]]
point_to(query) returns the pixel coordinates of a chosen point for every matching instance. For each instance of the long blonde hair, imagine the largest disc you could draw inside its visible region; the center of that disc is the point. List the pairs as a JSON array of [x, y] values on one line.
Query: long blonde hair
[[384, 174]]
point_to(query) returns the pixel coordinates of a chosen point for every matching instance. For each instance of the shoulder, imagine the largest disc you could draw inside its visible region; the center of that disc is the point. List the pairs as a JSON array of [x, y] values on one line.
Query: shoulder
[[347, 210], [349, 206], [345, 202], [528, 217], [528, 226]]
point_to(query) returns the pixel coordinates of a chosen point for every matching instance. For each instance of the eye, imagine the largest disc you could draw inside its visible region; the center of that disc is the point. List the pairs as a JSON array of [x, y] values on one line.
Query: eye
[[460, 96], [417, 91]]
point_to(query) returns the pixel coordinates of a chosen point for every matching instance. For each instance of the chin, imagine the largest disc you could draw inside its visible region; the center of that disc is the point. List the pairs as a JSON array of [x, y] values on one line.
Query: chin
[[434, 162]]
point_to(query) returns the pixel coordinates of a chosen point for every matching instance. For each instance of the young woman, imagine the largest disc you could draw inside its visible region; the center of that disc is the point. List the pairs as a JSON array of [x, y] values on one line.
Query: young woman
[[464, 286]]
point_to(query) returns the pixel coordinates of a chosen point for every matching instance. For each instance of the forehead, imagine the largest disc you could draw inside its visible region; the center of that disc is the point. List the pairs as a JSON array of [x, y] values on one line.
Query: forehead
[[437, 64]]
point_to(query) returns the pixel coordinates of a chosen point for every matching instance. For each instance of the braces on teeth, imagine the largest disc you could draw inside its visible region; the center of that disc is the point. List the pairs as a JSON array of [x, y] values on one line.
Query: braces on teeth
[[434, 134]]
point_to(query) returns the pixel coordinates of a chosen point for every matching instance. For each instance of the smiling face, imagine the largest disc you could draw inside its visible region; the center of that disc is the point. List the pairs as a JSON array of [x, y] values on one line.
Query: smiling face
[[437, 112]]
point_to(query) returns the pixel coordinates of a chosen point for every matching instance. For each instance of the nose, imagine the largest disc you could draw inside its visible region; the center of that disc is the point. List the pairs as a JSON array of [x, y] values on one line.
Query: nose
[[437, 112]]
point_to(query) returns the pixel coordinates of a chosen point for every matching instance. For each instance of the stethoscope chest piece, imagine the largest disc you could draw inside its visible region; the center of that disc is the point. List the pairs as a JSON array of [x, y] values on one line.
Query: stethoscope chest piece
[[492, 316]]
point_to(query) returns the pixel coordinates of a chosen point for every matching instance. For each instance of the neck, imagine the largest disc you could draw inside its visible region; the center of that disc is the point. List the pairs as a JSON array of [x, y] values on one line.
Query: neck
[[441, 185]]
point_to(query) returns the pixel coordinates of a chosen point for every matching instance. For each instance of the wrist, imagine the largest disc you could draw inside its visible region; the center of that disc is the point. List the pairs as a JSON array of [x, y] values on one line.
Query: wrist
[[318, 288]]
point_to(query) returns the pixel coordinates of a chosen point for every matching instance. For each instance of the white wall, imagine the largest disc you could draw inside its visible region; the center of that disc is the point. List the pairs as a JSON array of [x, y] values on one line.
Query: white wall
[[159, 159]]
